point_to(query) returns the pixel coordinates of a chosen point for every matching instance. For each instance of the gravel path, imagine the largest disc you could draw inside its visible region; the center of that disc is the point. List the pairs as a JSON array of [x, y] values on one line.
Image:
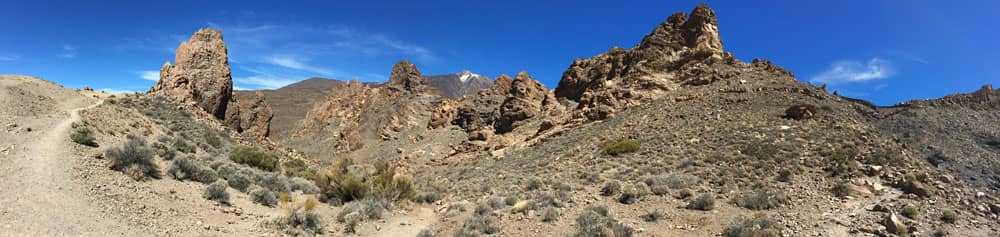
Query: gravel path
[[42, 198]]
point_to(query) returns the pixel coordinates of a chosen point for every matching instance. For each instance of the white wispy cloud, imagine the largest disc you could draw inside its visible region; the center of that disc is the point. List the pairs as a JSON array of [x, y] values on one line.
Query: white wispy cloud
[[150, 75], [68, 51], [850, 71], [264, 82], [293, 63]]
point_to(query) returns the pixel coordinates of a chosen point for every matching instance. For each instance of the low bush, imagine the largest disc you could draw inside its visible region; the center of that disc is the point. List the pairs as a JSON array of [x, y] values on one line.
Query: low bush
[[653, 216], [298, 168], [763, 199], [183, 146], [426, 233], [910, 211], [620, 146], [301, 184], [273, 181], [480, 224], [431, 195], [263, 196], [704, 202], [598, 221], [254, 157], [949, 216], [551, 214], [83, 136], [758, 226], [134, 153], [240, 180], [340, 184], [300, 218], [217, 192], [611, 188], [632, 193], [185, 168]]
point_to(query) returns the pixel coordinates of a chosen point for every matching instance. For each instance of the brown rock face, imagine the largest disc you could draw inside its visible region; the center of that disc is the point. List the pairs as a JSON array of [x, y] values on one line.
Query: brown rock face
[[526, 99], [254, 117], [200, 74], [674, 54]]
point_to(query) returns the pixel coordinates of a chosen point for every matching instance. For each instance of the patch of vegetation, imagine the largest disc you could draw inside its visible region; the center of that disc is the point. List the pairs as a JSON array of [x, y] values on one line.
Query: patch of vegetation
[[134, 154], [842, 163], [652, 216], [611, 188], [597, 221], [240, 180], [479, 224], [673, 181], [620, 146], [704, 202], [301, 184], [533, 184], [300, 219], [431, 195], [274, 182], [758, 226], [263, 196], [217, 192], [83, 136], [426, 233], [760, 150], [551, 214], [298, 168], [763, 199], [910, 211], [254, 157], [185, 168], [183, 146], [632, 193], [344, 182], [949, 216]]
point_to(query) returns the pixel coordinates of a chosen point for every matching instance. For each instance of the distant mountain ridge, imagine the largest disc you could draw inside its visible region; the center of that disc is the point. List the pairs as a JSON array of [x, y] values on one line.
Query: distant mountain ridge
[[459, 84]]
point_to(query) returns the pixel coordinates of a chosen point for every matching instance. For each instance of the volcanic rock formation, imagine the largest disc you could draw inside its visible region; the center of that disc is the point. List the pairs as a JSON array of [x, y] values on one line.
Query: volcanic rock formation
[[200, 74]]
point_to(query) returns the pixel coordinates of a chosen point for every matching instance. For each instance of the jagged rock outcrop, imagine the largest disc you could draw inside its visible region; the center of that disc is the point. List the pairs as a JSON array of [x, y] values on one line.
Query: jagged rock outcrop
[[251, 117], [674, 54], [525, 101], [200, 74], [406, 77]]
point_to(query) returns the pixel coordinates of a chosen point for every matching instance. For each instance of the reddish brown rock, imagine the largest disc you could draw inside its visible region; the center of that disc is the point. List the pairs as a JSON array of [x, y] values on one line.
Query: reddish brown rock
[[525, 101], [200, 74]]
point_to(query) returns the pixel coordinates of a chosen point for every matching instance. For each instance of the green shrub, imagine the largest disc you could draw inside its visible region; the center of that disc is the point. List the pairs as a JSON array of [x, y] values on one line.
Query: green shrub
[[389, 185], [134, 153], [213, 140], [759, 226], [949, 216], [704, 202], [183, 146], [763, 199], [83, 136], [620, 146], [298, 168], [263, 196], [480, 224], [632, 193], [185, 168], [340, 184], [300, 218], [217, 192], [240, 180], [910, 211], [254, 157]]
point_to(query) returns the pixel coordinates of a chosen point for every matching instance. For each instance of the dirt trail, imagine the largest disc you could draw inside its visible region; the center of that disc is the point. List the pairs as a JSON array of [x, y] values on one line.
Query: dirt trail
[[41, 196]]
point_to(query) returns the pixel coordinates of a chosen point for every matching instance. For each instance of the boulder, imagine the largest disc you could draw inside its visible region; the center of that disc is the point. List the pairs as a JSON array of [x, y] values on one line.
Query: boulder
[[801, 112]]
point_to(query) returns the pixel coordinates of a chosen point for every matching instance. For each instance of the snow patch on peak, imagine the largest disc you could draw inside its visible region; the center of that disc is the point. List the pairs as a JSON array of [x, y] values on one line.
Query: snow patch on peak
[[464, 76]]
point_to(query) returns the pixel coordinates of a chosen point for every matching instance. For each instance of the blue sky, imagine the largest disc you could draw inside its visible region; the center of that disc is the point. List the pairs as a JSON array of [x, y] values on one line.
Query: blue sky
[[883, 51]]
